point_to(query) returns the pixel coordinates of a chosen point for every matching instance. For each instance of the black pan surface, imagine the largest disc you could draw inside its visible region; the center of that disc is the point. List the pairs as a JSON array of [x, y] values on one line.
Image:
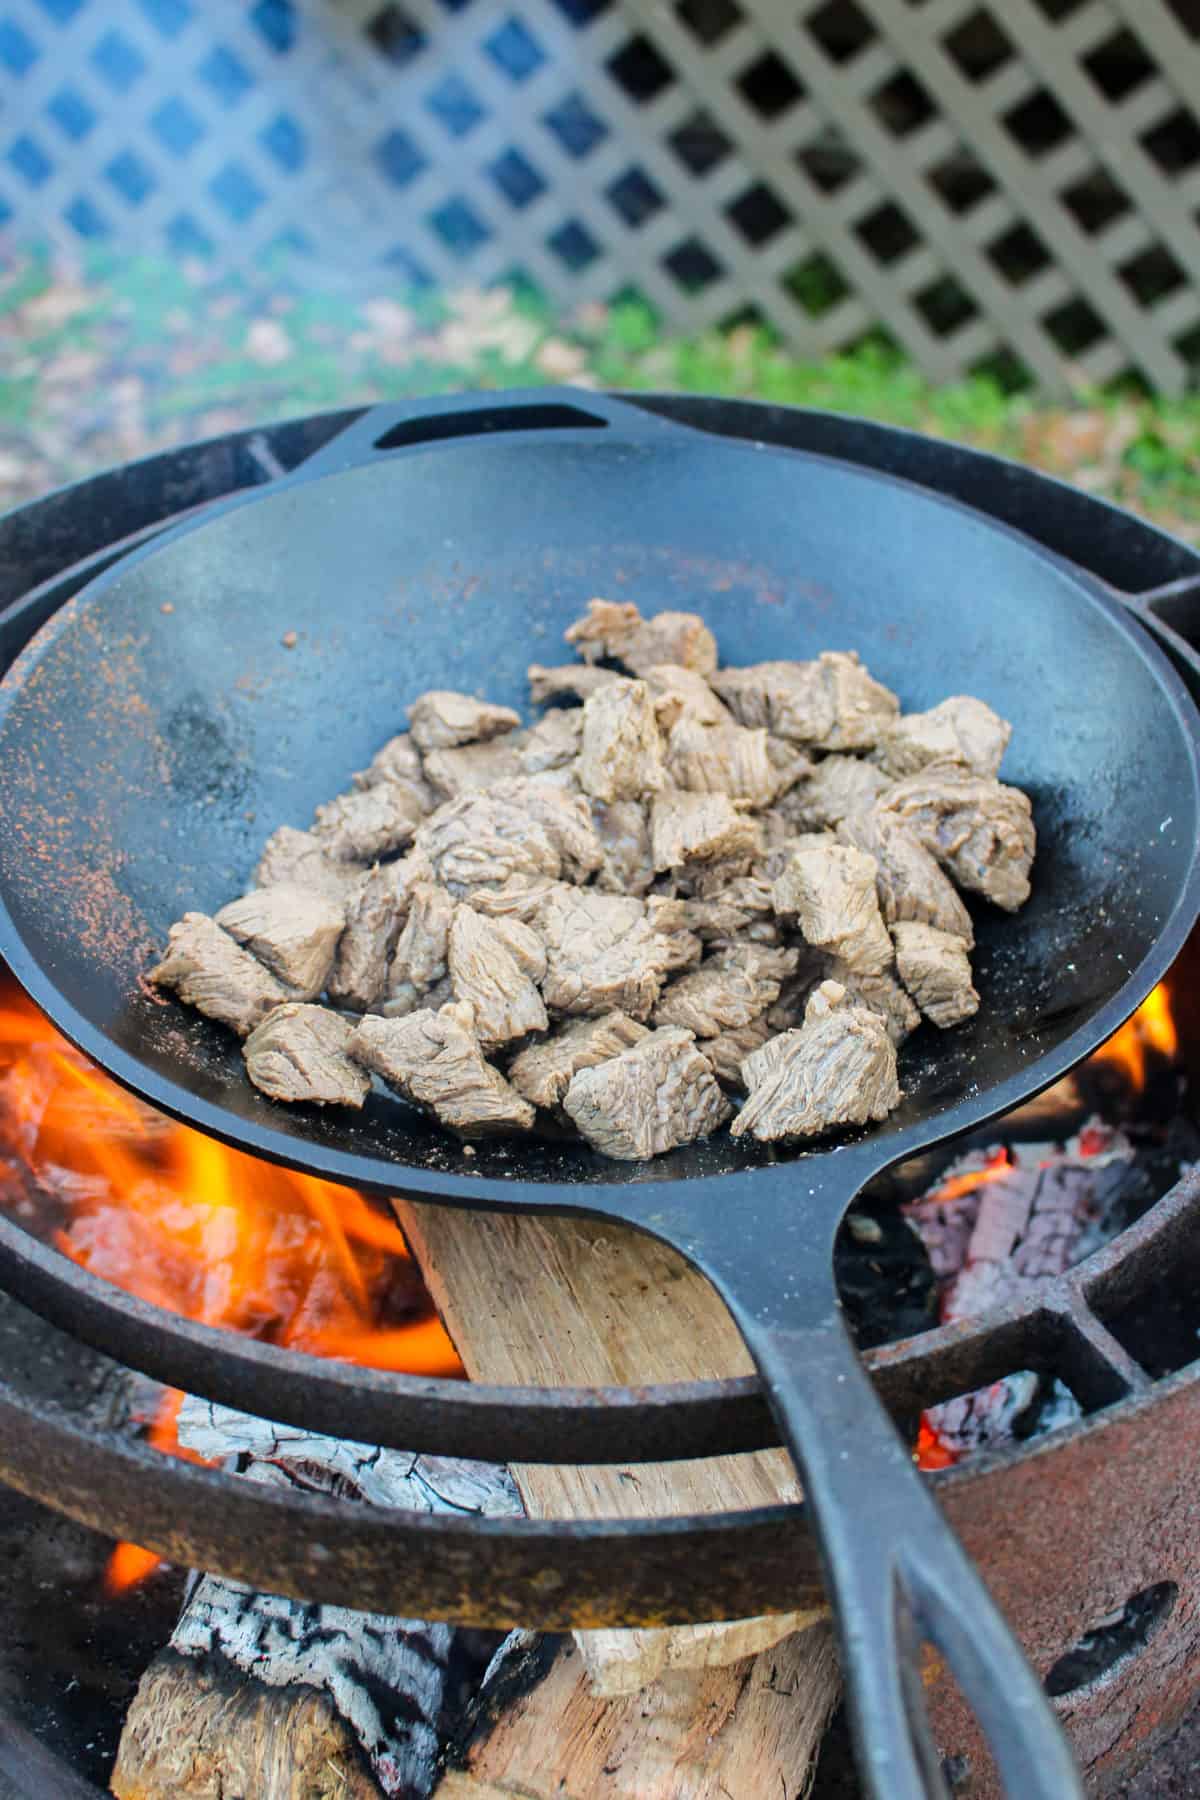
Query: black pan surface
[[160, 726]]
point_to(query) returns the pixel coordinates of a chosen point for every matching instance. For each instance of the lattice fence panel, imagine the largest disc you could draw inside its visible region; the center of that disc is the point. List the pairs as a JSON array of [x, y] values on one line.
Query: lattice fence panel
[[1009, 184]]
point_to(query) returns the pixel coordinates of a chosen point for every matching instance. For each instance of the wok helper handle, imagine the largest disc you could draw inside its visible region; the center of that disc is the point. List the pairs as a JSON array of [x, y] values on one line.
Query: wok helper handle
[[895, 1572]]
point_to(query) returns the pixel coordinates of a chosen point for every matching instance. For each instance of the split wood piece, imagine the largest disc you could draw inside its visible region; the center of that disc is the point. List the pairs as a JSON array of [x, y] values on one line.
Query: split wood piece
[[571, 1302], [261, 1695], [741, 1733]]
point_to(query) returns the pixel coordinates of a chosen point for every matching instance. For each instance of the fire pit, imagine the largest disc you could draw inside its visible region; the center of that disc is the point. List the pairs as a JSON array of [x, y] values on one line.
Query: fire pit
[[1111, 1625]]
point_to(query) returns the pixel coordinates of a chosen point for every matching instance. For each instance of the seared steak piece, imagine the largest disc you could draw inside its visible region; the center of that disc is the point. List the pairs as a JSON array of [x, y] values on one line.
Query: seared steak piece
[[832, 703], [839, 1068], [601, 954], [482, 840], [293, 931], [729, 1049], [830, 889], [422, 951], [368, 823], [543, 1072], [935, 969], [881, 994], [658, 1094], [210, 971], [908, 881], [485, 973], [573, 681], [565, 817], [399, 760], [302, 860], [624, 832], [617, 630], [730, 989], [519, 899], [452, 771], [838, 788], [620, 756], [553, 743], [374, 917], [745, 909], [704, 828], [959, 730], [434, 1060], [521, 941], [299, 1053], [667, 920], [721, 759], [440, 719], [980, 830], [683, 693]]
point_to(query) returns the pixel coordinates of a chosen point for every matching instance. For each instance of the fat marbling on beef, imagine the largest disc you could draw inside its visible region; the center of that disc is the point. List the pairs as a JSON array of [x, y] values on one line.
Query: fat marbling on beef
[[685, 883]]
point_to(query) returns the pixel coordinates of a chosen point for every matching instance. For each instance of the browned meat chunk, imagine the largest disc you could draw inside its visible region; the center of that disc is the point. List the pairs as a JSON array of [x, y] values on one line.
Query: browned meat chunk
[[422, 950], [658, 1094], [879, 993], [727, 991], [368, 823], [743, 908], [839, 1068], [721, 759], [832, 703], [451, 772], [481, 840], [302, 860], [908, 881], [729, 1050], [830, 889], [434, 1060], [837, 789], [543, 1072], [980, 830], [936, 970], [601, 954], [624, 833], [374, 917], [522, 943], [485, 973], [713, 880], [960, 730], [399, 760], [565, 817], [667, 918], [440, 719], [293, 931], [210, 971], [554, 742], [573, 681], [519, 900], [704, 828], [299, 1053], [616, 629], [620, 756], [683, 693]]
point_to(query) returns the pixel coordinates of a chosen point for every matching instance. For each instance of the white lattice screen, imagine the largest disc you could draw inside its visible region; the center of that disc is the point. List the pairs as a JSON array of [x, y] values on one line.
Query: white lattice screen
[[1000, 184]]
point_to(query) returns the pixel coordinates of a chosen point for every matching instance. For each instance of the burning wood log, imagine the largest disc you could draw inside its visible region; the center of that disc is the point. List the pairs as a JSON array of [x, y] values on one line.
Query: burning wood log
[[259, 1695], [564, 1301]]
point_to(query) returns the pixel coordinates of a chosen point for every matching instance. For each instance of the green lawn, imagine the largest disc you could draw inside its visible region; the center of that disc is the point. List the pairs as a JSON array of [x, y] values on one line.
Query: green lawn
[[110, 361]]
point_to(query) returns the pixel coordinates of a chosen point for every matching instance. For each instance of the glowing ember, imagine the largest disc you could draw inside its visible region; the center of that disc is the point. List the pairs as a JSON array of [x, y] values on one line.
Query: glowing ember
[[197, 1228], [930, 1452]]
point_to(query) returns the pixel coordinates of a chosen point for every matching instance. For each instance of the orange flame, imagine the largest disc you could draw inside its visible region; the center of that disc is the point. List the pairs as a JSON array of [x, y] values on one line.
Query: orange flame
[[1151, 1030], [200, 1229], [930, 1452]]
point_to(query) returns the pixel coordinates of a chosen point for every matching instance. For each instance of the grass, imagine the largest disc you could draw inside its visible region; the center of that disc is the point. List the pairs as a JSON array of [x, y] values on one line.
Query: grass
[[115, 359]]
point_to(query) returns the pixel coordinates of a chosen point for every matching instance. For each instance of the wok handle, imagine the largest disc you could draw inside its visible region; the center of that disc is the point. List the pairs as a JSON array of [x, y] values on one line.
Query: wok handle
[[398, 425], [895, 1572]]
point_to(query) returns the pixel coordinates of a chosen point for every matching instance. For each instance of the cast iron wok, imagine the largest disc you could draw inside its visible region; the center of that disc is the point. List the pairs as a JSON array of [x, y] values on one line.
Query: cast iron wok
[[159, 727]]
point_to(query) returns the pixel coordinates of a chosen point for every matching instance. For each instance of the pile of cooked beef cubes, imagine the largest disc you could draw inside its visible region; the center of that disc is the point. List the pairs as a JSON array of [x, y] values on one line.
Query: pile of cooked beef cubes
[[683, 889]]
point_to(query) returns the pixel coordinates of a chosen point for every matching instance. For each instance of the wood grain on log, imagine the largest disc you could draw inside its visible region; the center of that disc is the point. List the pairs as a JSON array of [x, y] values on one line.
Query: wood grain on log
[[573, 1302], [749, 1732], [262, 1696]]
